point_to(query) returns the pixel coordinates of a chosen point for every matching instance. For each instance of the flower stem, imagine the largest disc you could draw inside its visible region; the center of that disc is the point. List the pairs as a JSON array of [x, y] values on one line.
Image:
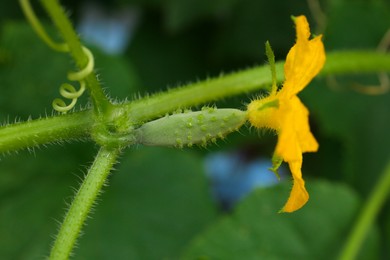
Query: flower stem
[[57, 14], [82, 203], [367, 216]]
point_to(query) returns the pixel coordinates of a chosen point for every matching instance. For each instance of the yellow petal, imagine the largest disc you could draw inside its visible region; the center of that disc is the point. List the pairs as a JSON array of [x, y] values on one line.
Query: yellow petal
[[306, 140], [304, 60], [288, 146], [298, 195], [295, 137]]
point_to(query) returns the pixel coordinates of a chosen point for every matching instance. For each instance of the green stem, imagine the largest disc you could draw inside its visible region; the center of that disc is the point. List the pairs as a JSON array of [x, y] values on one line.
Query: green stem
[[79, 124], [57, 14], [247, 81], [367, 216], [45, 130], [82, 203], [356, 62], [200, 93]]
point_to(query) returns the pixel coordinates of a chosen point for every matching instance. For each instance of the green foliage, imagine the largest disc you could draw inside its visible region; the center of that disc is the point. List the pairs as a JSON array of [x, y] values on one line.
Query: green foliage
[[32, 196], [158, 204], [347, 15], [152, 213], [41, 76], [255, 231]]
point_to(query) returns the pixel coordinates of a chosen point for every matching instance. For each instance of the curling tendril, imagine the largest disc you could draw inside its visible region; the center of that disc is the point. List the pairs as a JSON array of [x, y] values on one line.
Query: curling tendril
[[66, 90]]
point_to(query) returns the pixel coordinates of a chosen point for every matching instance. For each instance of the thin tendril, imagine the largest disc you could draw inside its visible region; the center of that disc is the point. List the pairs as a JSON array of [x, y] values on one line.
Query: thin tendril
[[37, 26], [66, 90], [79, 75]]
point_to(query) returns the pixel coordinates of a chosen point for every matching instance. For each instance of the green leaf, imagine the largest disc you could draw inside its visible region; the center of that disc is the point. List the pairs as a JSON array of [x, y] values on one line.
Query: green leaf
[[154, 205], [250, 25], [344, 16], [183, 13], [33, 192], [256, 231], [175, 61], [29, 82]]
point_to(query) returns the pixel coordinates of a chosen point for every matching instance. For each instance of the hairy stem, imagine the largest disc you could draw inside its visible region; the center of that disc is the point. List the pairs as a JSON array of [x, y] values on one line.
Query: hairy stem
[[356, 62], [367, 216], [45, 130], [57, 14], [82, 203], [79, 124], [247, 81], [200, 93]]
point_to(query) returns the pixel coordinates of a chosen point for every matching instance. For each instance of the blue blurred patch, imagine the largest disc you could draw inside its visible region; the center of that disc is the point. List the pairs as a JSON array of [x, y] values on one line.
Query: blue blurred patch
[[232, 178], [111, 32]]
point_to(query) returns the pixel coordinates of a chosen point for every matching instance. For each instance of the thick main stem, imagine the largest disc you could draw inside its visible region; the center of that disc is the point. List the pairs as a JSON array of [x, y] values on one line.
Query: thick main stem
[[82, 203], [45, 130]]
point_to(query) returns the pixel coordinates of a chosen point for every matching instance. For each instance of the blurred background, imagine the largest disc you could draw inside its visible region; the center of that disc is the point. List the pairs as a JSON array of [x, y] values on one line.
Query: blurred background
[[215, 203]]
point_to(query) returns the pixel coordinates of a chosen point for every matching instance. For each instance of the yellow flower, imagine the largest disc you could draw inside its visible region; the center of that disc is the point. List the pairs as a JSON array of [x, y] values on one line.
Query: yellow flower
[[284, 112]]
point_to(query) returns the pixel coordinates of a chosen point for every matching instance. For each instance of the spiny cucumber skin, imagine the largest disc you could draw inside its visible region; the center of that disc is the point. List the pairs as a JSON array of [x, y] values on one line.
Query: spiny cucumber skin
[[189, 128]]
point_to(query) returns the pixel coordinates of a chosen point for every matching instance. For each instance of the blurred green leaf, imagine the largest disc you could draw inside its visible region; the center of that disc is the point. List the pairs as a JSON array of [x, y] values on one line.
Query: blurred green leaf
[[9, 10], [183, 13], [155, 204], [242, 34], [30, 78], [33, 191], [356, 23], [176, 59], [256, 231]]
